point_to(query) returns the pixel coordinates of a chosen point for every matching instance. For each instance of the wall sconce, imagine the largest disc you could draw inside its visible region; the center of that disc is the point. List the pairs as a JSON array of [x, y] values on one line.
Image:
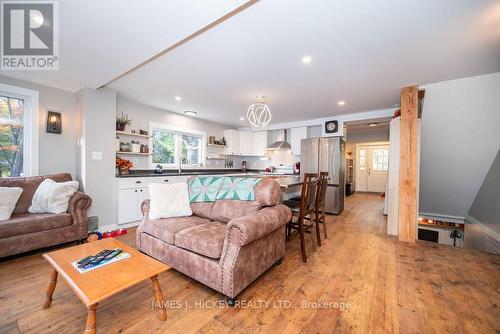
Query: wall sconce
[[54, 122]]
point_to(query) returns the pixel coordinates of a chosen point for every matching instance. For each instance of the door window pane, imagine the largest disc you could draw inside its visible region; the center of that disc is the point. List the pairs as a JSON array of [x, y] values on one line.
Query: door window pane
[[164, 147], [11, 136], [191, 150], [362, 159], [380, 159]]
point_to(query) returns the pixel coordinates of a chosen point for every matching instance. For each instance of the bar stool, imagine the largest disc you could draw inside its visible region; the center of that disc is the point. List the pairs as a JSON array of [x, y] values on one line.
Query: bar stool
[[301, 210]]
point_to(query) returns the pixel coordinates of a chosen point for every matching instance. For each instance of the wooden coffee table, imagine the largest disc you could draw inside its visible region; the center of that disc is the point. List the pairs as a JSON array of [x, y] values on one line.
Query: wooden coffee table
[[98, 284]]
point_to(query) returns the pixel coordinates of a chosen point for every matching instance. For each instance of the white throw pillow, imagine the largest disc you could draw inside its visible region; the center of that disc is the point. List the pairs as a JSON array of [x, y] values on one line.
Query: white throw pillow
[[8, 201], [169, 200], [52, 196]]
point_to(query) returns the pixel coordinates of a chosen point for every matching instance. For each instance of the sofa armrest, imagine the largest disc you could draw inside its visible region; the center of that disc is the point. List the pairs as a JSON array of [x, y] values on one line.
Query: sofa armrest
[[78, 205], [145, 219], [246, 229]]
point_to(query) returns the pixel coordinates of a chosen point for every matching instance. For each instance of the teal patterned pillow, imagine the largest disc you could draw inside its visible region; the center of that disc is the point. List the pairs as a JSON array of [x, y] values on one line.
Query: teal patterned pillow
[[238, 188], [204, 188]]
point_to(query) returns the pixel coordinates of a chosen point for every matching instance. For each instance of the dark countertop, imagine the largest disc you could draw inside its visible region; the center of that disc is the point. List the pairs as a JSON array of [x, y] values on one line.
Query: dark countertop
[[150, 173]]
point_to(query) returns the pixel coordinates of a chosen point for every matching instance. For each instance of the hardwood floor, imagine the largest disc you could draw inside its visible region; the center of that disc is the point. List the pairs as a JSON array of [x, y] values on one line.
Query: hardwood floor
[[367, 281]]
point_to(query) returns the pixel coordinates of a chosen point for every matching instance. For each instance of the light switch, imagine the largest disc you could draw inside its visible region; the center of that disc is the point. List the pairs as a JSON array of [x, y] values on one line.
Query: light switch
[[96, 155]]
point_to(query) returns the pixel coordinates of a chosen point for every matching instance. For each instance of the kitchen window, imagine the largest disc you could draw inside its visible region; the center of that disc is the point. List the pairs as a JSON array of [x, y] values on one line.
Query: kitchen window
[[173, 146], [18, 131]]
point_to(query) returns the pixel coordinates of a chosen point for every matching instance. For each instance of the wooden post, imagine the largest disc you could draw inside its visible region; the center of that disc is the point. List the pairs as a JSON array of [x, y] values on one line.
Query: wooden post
[[408, 165]]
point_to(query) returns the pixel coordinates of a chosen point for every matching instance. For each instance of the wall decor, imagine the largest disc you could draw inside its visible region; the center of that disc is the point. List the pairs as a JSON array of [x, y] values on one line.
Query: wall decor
[[54, 122]]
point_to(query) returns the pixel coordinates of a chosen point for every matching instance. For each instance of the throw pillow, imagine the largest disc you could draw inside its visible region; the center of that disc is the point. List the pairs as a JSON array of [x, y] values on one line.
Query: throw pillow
[[238, 188], [169, 200], [204, 188], [8, 201], [52, 196]]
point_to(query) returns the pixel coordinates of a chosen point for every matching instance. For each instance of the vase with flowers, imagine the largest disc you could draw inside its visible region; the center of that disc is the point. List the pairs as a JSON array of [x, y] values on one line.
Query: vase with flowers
[[123, 166], [122, 121]]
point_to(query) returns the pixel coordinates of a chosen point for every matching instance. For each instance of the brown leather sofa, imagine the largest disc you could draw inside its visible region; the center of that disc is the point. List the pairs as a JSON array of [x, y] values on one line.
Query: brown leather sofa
[[225, 245], [25, 231]]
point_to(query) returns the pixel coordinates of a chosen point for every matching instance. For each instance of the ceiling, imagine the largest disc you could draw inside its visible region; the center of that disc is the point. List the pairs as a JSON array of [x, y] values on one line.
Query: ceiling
[[362, 52]]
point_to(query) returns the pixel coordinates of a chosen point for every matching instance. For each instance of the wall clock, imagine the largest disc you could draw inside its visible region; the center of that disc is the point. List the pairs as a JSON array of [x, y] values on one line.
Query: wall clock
[[331, 127]]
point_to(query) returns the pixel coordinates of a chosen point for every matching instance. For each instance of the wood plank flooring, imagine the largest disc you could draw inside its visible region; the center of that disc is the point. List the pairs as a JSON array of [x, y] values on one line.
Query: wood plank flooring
[[359, 281]]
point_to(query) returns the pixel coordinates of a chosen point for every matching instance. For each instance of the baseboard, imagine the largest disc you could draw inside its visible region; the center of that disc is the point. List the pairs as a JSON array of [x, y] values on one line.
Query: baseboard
[[479, 236]]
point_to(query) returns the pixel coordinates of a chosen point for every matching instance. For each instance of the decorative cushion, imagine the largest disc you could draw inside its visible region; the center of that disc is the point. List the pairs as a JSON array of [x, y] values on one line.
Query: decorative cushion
[[52, 196], [165, 229], [8, 201], [206, 239], [204, 188], [169, 200], [238, 188], [225, 210], [27, 223]]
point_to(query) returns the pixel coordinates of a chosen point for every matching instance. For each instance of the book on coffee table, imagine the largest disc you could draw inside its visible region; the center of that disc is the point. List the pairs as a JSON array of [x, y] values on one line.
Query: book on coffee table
[[119, 257]]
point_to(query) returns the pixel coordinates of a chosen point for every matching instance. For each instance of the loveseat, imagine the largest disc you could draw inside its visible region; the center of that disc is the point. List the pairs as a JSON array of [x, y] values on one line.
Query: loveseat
[[225, 244], [25, 231]]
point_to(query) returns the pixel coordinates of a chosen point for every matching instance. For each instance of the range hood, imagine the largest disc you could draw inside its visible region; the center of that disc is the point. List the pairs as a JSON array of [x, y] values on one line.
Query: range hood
[[281, 144]]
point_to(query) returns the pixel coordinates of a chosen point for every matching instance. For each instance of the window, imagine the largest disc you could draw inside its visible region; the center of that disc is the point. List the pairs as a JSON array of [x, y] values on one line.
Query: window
[[173, 145], [18, 131], [380, 160], [362, 160]]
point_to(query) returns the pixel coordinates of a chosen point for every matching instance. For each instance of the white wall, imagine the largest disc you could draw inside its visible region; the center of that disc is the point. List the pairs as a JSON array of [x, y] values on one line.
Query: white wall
[[460, 137], [98, 114], [57, 153]]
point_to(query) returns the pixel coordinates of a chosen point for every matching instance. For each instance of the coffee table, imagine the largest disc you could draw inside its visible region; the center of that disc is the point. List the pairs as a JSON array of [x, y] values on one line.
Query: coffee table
[[94, 286]]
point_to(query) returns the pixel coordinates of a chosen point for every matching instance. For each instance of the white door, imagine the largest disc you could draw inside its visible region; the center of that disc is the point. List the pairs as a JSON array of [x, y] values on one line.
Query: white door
[[372, 167]]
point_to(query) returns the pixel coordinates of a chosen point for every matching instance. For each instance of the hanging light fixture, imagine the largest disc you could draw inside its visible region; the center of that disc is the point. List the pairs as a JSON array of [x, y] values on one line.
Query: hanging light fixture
[[258, 114]]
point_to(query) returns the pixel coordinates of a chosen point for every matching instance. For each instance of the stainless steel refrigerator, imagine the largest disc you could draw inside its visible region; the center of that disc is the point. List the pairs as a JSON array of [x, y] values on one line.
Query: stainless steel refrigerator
[[326, 155]]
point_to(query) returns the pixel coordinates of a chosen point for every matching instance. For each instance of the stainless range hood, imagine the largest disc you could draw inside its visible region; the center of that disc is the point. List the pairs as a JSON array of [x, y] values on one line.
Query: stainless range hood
[[281, 144]]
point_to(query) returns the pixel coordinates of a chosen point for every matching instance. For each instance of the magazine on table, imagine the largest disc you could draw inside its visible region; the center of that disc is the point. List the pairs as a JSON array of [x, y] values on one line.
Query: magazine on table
[[91, 266]]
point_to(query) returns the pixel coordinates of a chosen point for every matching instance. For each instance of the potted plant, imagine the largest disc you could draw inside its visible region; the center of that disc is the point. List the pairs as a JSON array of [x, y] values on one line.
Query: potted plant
[[123, 166], [122, 121]]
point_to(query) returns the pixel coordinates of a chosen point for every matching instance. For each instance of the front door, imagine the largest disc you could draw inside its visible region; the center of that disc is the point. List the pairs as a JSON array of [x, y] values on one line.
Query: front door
[[372, 166]]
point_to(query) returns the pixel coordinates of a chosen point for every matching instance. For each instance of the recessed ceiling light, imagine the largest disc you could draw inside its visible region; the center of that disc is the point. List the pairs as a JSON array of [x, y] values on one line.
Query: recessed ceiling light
[[372, 125], [341, 103], [190, 113], [306, 59], [242, 118], [178, 98]]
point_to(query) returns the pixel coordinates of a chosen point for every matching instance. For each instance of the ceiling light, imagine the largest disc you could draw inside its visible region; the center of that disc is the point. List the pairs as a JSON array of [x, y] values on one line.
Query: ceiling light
[[341, 103], [372, 125], [242, 118], [306, 59], [258, 114], [178, 98], [190, 113]]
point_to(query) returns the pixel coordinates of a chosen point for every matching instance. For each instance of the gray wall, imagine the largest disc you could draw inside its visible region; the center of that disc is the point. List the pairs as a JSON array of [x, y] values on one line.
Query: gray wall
[[98, 110], [142, 114], [367, 135], [486, 206], [460, 137], [57, 153]]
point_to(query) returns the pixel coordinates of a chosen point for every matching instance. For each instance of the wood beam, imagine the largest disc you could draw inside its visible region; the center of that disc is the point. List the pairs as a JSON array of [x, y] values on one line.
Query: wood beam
[[408, 165]]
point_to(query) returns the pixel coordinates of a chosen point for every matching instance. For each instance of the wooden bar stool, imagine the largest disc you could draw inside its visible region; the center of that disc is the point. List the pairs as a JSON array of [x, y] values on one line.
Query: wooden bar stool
[[301, 210]]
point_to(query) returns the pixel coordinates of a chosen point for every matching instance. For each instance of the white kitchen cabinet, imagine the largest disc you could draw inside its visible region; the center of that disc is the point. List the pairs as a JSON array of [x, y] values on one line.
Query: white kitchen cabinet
[[246, 143], [232, 142], [129, 209], [296, 136], [260, 141]]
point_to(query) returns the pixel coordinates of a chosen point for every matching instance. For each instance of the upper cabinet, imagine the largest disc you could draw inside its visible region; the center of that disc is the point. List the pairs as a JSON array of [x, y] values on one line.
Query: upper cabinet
[[246, 143], [260, 140], [296, 135], [233, 142]]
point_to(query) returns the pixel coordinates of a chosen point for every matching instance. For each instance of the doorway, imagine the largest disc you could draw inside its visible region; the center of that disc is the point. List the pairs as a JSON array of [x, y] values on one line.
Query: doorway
[[372, 166]]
